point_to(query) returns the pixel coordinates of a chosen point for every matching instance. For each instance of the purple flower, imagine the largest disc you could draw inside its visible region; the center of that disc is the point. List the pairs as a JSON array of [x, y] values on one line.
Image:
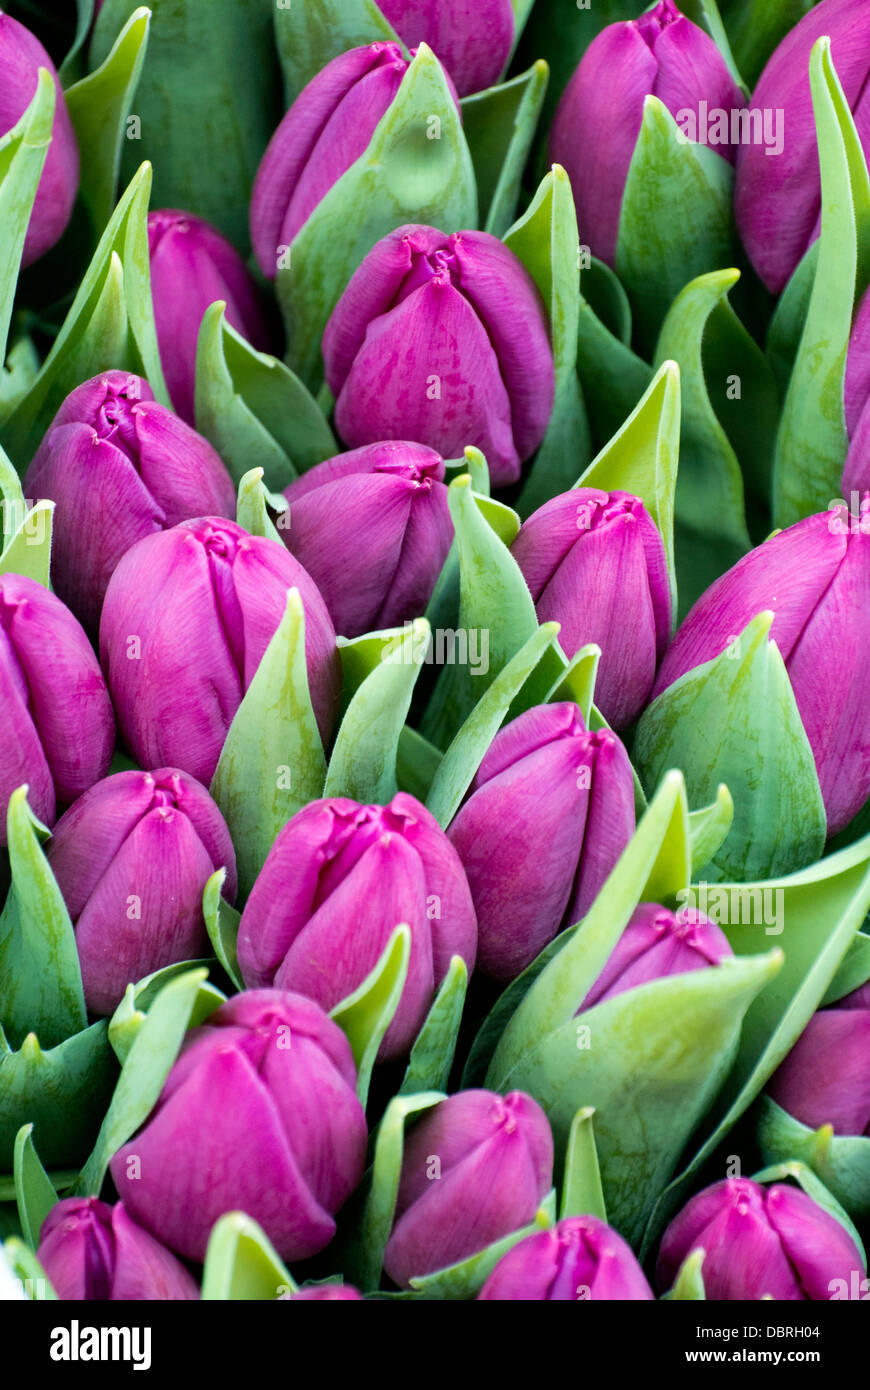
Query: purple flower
[[759, 1242], [825, 1079], [56, 711], [259, 1114], [442, 339], [551, 810], [473, 38], [658, 943], [595, 563], [119, 467], [192, 265], [187, 617], [131, 858], [90, 1250], [815, 578], [599, 117], [327, 1293], [475, 1168], [21, 57], [778, 200], [392, 499], [856, 474], [338, 880], [581, 1258]]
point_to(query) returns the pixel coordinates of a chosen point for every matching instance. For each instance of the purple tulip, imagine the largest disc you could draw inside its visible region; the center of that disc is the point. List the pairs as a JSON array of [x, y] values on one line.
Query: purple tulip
[[473, 38], [131, 858], [658, 943], [815, 578], [442, 339], [187, 617], [595, 563], [581, 1258], [599, 117], [119, 467], [192, 265], [338, 880], [259, 1114], [778, 201], [90, 1250], [475, 1169], [856, 474], [21, 57], [759, 1242], [56, 711], [825, 1079], [392, 497], [551, 810], [328, 1293]]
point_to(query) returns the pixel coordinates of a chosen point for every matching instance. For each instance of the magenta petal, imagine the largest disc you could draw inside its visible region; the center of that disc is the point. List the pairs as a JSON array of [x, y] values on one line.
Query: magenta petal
[[23, 757], [77, 1248], [690, 70], [610, 818], [473, 40], [144, 1269], [825, 1078], [818, 1248], [857, 384]]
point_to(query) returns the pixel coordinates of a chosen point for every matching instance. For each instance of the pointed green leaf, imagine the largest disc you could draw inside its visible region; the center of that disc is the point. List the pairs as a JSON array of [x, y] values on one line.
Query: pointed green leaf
[[582, 1193], [709, 826], [222, 925], [613, 378], [63, 1092], [138, 998], [841, 1161], [854, 970], [499, 126], [790, 316], [689, 1283], [22, 155], [577, 681], [253, 503], [241, 1263], [417, 762], [310, 36], [34, 1190], [365, 1015], [18, 374], [28, 534], [433, 1052]]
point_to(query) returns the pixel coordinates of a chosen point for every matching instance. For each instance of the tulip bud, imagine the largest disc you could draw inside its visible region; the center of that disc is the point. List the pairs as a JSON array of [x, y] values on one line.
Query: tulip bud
[[473, 38], [551, 810], [390, 496], [442, 339], [338, 880], [759, 1242], [825, 1079], [131, 858], [475, 1169], [192, 265], [187, 617], [581, 1258], [778, 201], [21, 57], [658, 943], [56, 712], [815, 578], [595, 563], [259, 1114], [119, 467], [92, 1251], [856, 474], [599, 117], [328, 1293]]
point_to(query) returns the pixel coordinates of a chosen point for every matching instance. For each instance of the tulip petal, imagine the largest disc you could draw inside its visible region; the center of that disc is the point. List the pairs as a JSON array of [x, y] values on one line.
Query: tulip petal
[[817, 1247], [144, 1269]]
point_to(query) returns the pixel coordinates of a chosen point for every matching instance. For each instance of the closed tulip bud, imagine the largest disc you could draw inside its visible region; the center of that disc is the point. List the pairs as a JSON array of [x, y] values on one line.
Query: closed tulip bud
[[131, 858], [56, 712], [825, 1079], [658, 943], [259, 1114], [475, 1169], [599, 117], [393, 499], [187, 617], [192, 265], [551, 810], [473, 38], [442, 339], [856, 474], [21, 57], [759, 1242], [778, 201], [815, 579], [328, 1293], [595, 563], [119, 467], [580, 1259], [90, 1250], [338, 880]]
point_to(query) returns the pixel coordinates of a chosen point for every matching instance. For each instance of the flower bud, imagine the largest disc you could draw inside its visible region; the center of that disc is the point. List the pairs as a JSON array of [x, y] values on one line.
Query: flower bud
[[442, 339], [259, 1114], [551, 810], [328, 1293], [473, 38], [825, 1079], [338, 880], [131, 858], [595, 563], [475, 1169], [658, 943], [90, 1250], [119, 467], [581, 1258]]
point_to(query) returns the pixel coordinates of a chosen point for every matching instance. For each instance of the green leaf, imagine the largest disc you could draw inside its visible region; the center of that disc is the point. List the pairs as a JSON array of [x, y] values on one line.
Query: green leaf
[[545, 240], [22, 154], [756, 27], [676, 219], [363, 760], [63, 1092], [499, 126], [99, 106], [34, 1190], [582, 1192], [272, 761], [840, 1161], [403, 176], [365, 1015], [250, 406], [689, 1283], [28, 549], [252, 508], [612, 376], [138, 998], [812, 441], [242, 1264], [466, 1278], [709, 826], [433, 1052], [40, 978], [735, 720], [416, 763], [310, 36], [854, 970], [26, 1267], [222, 925], [18, 375]]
